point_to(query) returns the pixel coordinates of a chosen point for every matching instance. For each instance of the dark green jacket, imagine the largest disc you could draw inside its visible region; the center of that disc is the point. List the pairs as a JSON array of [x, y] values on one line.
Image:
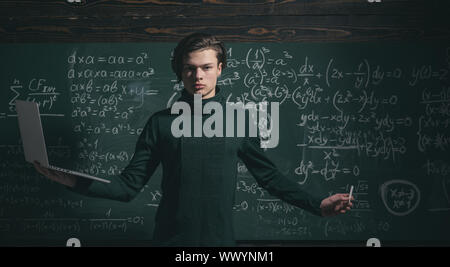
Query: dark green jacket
[[199, 181]]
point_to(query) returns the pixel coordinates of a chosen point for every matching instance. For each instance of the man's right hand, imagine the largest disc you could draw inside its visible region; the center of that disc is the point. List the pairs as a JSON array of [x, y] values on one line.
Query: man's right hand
[[57, 176]]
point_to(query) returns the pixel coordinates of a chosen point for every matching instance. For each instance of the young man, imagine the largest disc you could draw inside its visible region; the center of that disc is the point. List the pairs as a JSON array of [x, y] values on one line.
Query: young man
[[199, 173]]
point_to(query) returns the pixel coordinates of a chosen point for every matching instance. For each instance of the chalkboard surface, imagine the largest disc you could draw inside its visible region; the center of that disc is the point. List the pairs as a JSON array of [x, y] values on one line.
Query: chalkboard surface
[[372, 115]]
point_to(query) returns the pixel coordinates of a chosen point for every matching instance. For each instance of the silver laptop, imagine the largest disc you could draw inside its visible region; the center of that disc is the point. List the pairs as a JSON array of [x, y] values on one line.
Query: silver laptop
[[33, 138]]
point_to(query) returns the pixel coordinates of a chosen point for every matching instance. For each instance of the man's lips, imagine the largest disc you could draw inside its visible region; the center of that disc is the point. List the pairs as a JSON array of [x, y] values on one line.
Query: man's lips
[[199, 86]]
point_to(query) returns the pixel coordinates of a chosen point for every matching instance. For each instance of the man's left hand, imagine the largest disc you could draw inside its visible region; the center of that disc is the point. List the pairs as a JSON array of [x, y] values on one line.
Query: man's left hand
[[336, 204]]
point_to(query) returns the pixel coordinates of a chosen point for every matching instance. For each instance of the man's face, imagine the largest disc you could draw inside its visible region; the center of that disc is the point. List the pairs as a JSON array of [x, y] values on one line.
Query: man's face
[[200, 72]]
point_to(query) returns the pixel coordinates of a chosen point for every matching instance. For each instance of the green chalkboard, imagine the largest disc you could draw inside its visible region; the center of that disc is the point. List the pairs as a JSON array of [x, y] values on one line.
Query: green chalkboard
[[372, 115]]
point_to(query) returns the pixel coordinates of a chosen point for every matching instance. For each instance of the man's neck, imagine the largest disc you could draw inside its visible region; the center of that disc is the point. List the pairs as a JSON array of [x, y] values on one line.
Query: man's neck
[[211, 94]]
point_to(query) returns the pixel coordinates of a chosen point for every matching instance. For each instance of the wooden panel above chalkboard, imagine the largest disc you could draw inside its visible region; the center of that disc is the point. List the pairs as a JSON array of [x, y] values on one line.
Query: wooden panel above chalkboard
[[233, 21], [209, 8]]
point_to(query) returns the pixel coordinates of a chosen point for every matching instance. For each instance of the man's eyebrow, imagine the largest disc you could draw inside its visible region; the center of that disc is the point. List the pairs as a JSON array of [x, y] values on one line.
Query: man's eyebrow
[[202, 65]]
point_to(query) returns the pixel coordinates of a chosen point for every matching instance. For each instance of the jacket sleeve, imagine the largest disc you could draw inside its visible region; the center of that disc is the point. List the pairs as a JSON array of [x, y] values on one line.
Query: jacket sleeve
[[127, 185], [268, 177]]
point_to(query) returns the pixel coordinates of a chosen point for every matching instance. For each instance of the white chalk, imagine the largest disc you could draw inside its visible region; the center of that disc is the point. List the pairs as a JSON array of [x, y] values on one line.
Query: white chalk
[[350, 196]]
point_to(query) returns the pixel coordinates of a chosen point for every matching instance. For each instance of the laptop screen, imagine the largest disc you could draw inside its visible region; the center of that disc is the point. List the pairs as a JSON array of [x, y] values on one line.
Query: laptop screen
[[31, 132]]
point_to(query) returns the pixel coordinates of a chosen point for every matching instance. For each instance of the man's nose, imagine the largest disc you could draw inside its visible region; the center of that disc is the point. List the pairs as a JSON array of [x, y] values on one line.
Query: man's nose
[[198, 74]]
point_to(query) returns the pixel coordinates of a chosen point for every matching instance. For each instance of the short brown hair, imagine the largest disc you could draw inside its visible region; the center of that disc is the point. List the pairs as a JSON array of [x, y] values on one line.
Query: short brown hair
[[194, 42]]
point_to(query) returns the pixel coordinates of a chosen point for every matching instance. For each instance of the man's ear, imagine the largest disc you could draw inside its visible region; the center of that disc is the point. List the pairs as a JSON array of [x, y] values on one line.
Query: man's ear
[[219, 67]]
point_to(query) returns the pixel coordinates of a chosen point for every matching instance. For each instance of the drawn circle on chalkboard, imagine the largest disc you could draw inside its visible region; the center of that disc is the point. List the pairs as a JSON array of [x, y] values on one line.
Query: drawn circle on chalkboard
[[400, 197]]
